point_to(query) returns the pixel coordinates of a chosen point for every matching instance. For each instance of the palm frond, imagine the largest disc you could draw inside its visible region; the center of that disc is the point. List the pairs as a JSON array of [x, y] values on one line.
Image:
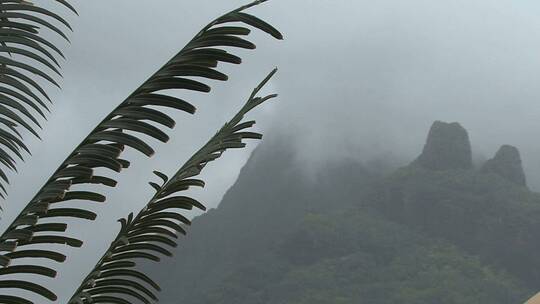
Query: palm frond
[[155, 229], [26, 57], [140, 115]]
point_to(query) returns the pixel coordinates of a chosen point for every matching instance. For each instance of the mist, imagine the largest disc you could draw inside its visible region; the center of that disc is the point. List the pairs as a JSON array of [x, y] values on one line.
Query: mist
[[357, 80]]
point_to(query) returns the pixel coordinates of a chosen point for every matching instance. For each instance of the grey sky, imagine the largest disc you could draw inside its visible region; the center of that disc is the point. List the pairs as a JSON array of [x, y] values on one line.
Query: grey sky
[[358, 79]]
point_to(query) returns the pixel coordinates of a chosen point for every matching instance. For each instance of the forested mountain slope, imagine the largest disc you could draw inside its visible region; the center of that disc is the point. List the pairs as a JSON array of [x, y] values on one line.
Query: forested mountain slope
[[435, 231]]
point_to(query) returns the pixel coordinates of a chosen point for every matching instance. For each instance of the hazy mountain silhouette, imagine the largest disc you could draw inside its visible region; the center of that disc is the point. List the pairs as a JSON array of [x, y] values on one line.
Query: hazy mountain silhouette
[[435, 231]]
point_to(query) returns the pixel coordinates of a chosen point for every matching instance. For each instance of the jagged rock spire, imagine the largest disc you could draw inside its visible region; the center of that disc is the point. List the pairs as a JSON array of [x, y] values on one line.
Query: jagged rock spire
[[507, 163], [447, 147]]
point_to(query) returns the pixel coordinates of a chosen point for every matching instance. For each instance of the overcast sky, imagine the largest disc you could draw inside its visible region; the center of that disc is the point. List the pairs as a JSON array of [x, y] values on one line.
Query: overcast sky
[[360, 79]]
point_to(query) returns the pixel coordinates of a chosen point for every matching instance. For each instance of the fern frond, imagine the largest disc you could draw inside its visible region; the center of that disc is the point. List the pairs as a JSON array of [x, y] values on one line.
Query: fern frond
[[142, 113], [25, 58], [155, 229]]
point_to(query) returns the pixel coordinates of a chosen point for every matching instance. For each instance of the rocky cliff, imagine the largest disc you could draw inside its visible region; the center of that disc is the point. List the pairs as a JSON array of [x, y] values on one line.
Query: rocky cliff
[[447, 147], [507, 164]]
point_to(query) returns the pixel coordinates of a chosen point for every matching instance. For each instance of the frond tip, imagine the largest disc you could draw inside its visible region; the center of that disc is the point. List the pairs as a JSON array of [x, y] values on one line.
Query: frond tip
[[154, 231]]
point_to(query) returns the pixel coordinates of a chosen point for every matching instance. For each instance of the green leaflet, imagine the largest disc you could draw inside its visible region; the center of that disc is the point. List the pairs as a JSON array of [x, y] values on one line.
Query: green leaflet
[[130, 273], [44, 254], [121, 138], [36, 288], [163, 101], [119, 290], [52, 239], [56, 227], [70, 212], [222, 40], [132, 112], [169, 83], [253, 21], [230, 30], [14, 300], [138, 126], [17, 269]]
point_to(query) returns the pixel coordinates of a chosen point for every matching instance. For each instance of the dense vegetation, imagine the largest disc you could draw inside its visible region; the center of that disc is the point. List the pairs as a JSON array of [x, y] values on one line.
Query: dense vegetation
[[354, 234]]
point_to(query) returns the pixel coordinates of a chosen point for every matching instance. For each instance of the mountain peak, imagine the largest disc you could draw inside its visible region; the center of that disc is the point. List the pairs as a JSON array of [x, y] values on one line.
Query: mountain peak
[[507, 163], [447, 147]]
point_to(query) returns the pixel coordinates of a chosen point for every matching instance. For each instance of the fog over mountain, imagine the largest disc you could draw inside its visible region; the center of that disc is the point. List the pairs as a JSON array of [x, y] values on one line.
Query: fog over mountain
[[435, 230], [359, 80]]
